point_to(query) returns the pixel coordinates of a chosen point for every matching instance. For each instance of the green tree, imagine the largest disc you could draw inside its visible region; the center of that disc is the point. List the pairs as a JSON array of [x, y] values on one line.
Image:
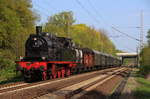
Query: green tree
[[145, 61], [60, 23], [145, 57], [89, 37], [17, 21]]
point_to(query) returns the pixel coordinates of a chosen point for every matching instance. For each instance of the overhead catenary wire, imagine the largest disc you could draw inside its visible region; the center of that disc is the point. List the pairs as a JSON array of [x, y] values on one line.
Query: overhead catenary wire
[[95, 19], [97, 12], [49, 4], [87, 11], [123, 45], [109, 25], [45, 12], [125, 34]]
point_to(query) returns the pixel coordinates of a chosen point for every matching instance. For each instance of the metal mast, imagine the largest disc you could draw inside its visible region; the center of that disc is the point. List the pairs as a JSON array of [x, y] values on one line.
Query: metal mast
[[141, 36], [141, 31]]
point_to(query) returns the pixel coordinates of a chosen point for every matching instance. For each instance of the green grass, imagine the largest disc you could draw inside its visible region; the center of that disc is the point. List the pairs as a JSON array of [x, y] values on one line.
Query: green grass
[[143, 91]]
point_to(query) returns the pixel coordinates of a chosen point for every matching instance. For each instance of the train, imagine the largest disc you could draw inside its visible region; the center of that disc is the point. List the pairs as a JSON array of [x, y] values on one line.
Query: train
[[48, 56]]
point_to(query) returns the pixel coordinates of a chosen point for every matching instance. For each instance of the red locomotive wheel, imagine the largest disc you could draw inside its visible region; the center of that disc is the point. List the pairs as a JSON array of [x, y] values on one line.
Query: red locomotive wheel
[[59, 74], [51, 77], [44, 76], [54, 75], [63, 72], [68, 72]]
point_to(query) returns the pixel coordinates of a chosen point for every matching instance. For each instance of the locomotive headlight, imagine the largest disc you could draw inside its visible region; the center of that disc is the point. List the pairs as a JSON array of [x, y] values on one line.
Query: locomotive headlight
[[43, 58], [47, 34], [35, 39]]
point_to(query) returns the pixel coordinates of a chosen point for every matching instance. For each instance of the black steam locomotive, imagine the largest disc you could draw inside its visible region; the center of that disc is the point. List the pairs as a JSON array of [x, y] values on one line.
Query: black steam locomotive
[[48, 56]]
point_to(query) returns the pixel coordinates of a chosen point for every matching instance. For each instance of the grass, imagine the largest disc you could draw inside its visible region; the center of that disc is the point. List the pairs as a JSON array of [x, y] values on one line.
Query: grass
[[143, 91]]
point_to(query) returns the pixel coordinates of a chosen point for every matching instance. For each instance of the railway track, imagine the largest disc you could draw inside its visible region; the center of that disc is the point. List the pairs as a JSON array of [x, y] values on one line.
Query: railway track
[[12, 85], [57, 86], [19, 84], [77, 90], [94, 85]]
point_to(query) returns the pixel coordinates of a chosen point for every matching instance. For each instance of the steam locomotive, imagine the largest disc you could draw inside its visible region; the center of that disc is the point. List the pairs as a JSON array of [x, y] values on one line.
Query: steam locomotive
[[48, 57]]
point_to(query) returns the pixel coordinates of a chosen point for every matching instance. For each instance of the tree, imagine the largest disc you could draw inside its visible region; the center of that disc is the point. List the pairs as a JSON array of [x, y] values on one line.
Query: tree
[[145, 60], [17, 21], [86, 36], [148, 37], [60, 23], [145, 57]]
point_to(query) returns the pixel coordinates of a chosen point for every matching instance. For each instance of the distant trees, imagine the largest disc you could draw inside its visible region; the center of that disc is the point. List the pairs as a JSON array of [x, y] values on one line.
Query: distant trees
[[62, 24], [89, 37], [145, 54], [145, 57]]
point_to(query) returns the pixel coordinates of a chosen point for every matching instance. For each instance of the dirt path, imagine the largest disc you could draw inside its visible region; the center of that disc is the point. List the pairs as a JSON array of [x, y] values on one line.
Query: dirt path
[[127, 93], [148, 76]]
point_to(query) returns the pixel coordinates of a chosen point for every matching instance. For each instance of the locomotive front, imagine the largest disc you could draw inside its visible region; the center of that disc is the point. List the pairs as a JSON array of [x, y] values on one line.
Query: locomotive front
[[46, 56], [33, 65], [36, 48]]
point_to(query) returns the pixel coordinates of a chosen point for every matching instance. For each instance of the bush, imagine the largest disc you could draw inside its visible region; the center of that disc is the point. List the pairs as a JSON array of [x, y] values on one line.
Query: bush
[[142, 91], [7, 59], [7, 73], [7, 65], [144, 70], [145, 61]]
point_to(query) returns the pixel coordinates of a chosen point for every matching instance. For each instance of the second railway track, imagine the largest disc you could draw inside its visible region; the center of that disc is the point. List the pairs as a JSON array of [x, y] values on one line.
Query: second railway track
[[75, 91]]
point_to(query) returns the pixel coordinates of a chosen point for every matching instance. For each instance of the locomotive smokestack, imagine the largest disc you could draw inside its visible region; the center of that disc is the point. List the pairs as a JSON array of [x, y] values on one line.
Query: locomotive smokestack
[[38, 29]]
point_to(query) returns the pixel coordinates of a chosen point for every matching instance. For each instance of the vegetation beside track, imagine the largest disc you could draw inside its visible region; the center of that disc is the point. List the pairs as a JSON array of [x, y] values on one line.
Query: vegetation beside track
[[145, 61], [8, 73], [17, 21], [145, 57], [143, 90]]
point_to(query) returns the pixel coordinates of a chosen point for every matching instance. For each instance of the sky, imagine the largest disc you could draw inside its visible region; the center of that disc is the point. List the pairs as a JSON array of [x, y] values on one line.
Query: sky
[[124, 15]]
